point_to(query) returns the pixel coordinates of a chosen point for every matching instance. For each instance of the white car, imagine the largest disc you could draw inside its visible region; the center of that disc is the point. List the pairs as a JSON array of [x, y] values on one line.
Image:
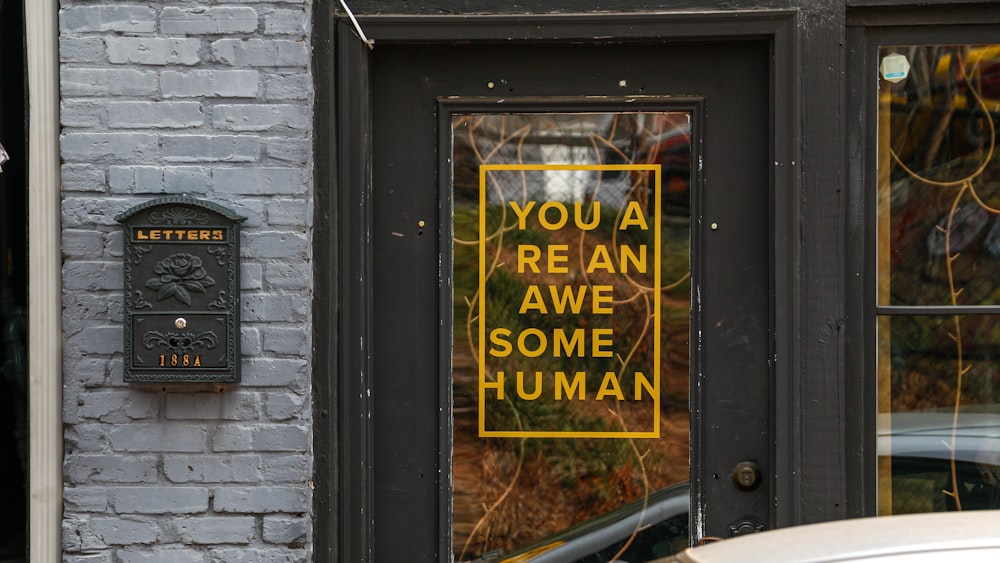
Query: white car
[[966, 537]]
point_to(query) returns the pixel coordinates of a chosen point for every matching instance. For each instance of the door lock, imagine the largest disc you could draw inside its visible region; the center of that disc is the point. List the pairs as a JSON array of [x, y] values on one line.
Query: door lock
[[746, 475]]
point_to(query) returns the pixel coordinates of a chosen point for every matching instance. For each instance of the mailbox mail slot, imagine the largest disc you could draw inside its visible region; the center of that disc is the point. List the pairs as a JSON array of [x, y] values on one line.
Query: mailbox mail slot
[[182, 305]]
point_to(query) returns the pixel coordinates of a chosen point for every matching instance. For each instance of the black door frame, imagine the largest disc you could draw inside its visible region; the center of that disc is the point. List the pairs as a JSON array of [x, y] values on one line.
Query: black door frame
[[344, 327]]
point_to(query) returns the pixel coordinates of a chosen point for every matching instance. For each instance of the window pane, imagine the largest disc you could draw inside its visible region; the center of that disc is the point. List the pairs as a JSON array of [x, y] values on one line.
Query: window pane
[[938, 406], [938, 245], [571, 313], [939, 180]]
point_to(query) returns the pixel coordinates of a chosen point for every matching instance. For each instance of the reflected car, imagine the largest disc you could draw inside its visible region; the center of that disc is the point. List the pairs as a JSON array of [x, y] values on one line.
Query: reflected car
[[920, 446], [969, 537], [656, 528]]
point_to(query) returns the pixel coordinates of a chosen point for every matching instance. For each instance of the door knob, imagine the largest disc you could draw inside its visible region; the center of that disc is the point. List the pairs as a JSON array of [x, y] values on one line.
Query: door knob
[[746, 475]]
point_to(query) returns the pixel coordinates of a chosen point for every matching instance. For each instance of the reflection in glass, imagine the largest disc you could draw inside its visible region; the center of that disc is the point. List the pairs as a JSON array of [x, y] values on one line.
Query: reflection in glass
[[570, 361], [939, 434], [939, 183], [938, 245]]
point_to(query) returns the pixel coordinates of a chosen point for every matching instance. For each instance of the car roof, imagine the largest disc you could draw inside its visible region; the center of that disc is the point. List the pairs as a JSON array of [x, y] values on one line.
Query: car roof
[[941, 536]]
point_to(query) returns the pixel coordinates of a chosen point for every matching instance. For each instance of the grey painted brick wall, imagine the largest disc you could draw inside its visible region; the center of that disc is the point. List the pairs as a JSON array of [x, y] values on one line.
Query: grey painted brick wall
[[213, 100]]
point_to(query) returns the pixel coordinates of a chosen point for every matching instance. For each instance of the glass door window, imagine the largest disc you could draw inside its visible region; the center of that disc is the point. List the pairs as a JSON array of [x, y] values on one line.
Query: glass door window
[[572, 314], [938, 283]]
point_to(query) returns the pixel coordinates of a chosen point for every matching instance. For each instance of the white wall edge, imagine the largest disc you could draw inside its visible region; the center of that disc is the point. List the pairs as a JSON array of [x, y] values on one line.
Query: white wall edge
[[44, 283]]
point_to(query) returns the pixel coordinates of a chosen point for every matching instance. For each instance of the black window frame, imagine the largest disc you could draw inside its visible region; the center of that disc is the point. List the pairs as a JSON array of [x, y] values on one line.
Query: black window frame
[[869, 25]]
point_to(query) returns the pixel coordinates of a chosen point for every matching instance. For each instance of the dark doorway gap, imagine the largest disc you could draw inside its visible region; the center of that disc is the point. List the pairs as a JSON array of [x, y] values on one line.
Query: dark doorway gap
[[13, 285]]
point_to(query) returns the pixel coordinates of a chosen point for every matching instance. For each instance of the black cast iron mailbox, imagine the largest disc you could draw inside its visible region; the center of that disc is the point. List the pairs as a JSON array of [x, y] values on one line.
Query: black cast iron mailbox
[[182, 306]]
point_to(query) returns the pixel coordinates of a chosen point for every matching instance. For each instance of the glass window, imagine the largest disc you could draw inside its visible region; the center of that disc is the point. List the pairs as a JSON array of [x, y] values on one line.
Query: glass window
[[571, 307], [938, 284]]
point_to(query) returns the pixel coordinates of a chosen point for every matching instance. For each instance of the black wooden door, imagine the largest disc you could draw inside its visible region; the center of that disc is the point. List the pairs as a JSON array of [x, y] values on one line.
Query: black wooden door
[[420, 93]]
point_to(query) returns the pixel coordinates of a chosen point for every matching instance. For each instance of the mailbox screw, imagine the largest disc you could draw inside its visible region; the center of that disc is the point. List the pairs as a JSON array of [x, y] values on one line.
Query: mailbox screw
[[421, 224], [715, 226], [181, 322]]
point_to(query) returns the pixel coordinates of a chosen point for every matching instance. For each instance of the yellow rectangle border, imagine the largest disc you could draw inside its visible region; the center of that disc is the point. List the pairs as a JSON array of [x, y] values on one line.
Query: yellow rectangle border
[[484, 170]]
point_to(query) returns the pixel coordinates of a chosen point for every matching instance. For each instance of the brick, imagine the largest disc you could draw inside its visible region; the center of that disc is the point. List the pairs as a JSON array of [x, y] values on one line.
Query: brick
[[251, 276], [212, 469], [76, 113], [287, 87], [99, 340], [117, 531], [279, 245], [286, 341], [209, 83], [253, 210], [71, 390], [236, 405], [283, 276], [155, 115], [292, 151], [160, 555], [186, 180], [285, 529], [261, 438], [85, 499], [260, 117], [160, 437], [113, 247], [83, 178], [286, 468], [87, 211], [117, 406], [86, 438], [106, 82], [91, 148], [210, 148], [82, 50], [99, 557], [256, 500], [78, 534], [90, 372], [125, 19], [160, 500], [272, 307], [101, 404], [250, 341], [290, 213], [201, 20], [110, 468], [89, 306], [259, 555], [216, 529], [283, 406], [261, 52], [79, 243], [254, 181], [286, 22], [275, 372], [92, 275], [153, 50], [139, 406]]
